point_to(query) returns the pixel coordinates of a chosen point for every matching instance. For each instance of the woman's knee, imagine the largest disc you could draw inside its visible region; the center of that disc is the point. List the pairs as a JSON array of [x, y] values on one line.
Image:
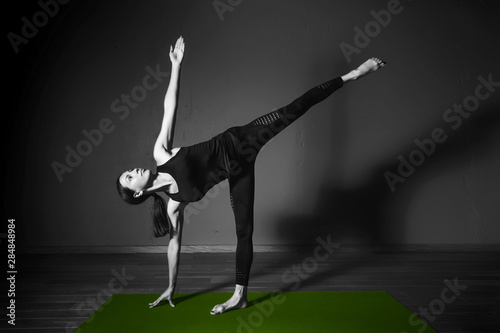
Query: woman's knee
[[244, 230]]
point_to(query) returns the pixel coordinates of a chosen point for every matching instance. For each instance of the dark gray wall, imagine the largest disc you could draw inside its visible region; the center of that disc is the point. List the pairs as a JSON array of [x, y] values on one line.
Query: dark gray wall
[[323, 175]]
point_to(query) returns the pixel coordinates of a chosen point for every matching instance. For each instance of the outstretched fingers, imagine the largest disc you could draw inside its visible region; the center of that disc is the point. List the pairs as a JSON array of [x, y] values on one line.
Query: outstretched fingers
[[158, 301], [180, 44], [177, 52]]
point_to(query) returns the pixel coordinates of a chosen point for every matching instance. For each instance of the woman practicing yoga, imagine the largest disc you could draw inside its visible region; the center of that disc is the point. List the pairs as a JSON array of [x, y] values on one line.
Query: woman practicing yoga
[[186, 174]]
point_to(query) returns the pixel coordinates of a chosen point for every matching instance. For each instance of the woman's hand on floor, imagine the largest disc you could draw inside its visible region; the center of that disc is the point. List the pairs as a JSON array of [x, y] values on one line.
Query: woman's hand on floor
[[167, 294]]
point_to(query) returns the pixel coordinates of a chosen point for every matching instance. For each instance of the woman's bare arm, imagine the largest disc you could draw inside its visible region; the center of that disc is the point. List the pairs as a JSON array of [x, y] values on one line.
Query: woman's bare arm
[[175, 211], [163, 145]]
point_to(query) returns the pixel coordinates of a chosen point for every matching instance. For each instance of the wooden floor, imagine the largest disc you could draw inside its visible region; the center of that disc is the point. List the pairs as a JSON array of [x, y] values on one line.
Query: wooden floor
[[57, 292]]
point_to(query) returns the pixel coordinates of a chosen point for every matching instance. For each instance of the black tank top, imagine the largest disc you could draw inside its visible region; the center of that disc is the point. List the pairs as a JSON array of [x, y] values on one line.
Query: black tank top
[[197, 168]]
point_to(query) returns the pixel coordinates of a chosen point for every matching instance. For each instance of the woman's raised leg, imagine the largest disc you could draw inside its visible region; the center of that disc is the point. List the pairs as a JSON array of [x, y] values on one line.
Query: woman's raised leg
[[254, 135], [242, 186]]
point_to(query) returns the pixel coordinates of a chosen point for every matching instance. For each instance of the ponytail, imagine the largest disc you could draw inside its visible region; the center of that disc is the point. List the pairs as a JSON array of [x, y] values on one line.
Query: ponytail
[[161, 223]]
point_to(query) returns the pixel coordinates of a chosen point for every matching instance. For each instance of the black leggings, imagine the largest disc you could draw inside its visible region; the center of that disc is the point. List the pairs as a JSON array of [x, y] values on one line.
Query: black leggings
[[251, 138]]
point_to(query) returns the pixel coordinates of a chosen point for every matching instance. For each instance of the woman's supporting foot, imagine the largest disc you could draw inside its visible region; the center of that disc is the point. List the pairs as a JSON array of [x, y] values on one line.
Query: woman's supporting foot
[[237, 301], [369, 66]]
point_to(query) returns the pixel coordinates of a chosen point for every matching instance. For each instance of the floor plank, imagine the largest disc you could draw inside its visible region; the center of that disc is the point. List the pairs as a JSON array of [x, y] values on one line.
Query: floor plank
[[56, 292]]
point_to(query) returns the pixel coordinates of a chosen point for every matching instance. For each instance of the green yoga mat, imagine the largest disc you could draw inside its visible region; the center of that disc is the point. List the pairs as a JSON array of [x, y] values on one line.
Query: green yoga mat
[[315, 312]]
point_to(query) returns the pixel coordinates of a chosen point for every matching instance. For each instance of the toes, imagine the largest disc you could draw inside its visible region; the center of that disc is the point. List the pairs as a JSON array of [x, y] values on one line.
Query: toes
[[380, 63], [216, 310], [228, 306]]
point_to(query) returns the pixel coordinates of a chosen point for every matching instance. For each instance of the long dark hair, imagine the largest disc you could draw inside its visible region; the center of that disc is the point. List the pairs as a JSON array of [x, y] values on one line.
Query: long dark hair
[[161, 223]]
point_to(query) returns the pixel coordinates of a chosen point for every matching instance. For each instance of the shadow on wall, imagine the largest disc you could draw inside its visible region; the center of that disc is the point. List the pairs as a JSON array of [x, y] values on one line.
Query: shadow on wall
[[366, 213], [362, 211]]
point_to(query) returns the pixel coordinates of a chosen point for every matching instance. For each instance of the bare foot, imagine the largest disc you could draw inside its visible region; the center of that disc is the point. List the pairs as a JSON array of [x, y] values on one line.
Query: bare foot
[[369, 66], [237, 301]]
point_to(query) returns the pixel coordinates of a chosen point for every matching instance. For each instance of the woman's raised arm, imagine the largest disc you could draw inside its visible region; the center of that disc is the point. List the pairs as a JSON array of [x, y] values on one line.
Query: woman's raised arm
[[163, 145]]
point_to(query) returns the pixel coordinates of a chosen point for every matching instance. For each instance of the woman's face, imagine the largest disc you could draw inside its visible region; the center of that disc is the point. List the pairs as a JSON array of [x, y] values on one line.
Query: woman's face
[[135, 179]]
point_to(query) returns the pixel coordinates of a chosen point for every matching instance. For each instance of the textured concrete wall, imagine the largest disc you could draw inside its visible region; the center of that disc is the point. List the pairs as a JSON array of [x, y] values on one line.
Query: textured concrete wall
[[391, 158]]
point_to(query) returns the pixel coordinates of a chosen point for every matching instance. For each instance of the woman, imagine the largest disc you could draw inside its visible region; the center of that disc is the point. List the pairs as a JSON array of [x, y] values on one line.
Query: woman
[[186, 174]]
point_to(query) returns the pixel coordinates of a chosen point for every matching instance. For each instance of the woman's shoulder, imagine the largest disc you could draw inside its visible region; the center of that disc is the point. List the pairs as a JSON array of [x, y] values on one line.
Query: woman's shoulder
[[164, 156]]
